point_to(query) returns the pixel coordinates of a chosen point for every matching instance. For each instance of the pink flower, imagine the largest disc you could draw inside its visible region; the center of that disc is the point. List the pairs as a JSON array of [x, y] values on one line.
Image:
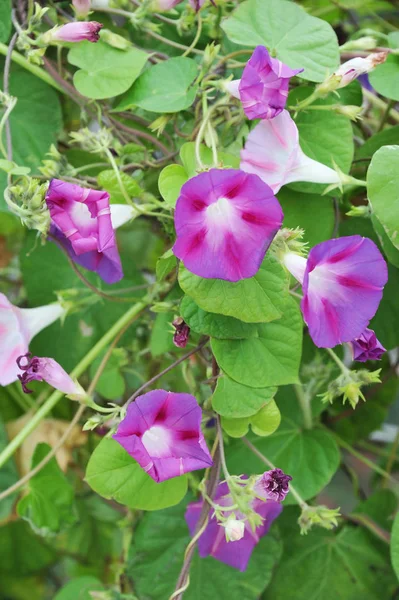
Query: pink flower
[[367, 347], [272, 152], [213, 541], [342, 282], [354, 67], [47, 369], [225, 221], [82, 7], [263, 88], [182, 333], [81, 222], [17, 327], [162, 432], [77, 32], [164, 5], [273, 485]]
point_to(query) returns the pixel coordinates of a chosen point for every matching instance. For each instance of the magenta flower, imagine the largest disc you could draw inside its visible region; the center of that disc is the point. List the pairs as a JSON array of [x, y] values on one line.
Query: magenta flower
[[263, 88], [225, 221], [47, 369], [272, 152], [17, 327], [181, 334], [342, 282], [213, 541], [81, 7], [273, 485], [367, 347], [77, 32], [81, 222], [162, 432]]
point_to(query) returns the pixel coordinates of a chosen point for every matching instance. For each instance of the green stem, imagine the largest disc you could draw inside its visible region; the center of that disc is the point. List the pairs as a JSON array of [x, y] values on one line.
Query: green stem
[[37, 71], [160, 38], [196, 38], [338, 361], [3, 122], [300, 501], [118, 177], [304, 403], [373, 99], [307, 101], [80, 368]]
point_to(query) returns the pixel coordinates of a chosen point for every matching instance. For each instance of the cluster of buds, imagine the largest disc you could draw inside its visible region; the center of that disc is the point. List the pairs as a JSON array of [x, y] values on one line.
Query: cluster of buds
[[318, 515], [56, 165], [95, 142], [349, 386], [27, 201], [289, 240]]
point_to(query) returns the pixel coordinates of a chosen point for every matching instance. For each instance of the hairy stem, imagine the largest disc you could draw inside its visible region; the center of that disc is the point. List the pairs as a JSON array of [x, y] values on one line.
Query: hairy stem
[[304, 403], [37, 71]]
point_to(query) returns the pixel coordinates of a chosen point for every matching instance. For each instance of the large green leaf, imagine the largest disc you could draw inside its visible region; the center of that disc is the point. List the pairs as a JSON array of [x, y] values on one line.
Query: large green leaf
[[385, 78], [231, 399], [390, 251], [263, 423], [171, 180], [35, 121], [386, 321], [107, 181], [5, 20], [255, 300], [48, 506], [157, 553], [395, 545], [383, 190], [270, 359], [165, 88], [386, 137], [310, 456], [296, 38], [114, 474], [21, 551], [105, 71], [312, 213], [328, 566], [79, 589], [218, 326]]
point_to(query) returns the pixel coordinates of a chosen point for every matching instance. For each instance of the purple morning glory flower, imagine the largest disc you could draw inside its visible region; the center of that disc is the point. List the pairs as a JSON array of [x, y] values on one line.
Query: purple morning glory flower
[[77, 32], [273, 485], [342, 282], [81, 221], [162, 432], [47, 369], [213, 541], [272, 152], [225, 221], [263, 88], [367, 347]]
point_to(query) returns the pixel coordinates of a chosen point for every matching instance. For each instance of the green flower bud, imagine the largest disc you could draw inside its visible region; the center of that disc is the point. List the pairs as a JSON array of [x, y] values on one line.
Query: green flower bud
[[318, 515]]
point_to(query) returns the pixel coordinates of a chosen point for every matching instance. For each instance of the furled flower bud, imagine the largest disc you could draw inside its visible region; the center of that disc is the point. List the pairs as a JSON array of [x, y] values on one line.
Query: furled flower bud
[[74, 32], [81, 8], [47, 369], [164, 5], [234, 529], [26, 201], [364, 43], [115, 40], [350, 70], [318, 515], [367, 347], [353, 112], [349, 386], [181, 334], [273, 485]]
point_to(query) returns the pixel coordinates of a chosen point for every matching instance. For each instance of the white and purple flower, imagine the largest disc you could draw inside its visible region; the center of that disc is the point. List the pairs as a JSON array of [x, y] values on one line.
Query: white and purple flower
[[342, 281], [225, 221], [367, 347], [273, 485], [47, 369], [162, 432], [17, 328], [81, 222], [263, 87], [272, 152]]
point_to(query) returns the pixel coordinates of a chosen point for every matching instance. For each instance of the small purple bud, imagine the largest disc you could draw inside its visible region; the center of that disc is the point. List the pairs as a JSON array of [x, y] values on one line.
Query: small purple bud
[[77, 32], [367, 347], [273, 485], [47, 369], [181, 334]]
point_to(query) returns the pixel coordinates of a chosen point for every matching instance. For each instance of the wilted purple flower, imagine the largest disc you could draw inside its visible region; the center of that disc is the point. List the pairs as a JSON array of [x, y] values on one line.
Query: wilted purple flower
[[82, 7], [81, 221], [342, 282], [263, 88], [225, 221], [47, 369], [273, 485], [213, 541], [181, 334], [77, 32], [162, 432], [272, 152], [354, 67], [367, 347], [17, 327]]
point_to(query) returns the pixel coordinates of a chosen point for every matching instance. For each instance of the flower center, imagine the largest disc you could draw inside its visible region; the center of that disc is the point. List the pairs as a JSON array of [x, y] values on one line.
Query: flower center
[[220, 211], [157, 441]]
